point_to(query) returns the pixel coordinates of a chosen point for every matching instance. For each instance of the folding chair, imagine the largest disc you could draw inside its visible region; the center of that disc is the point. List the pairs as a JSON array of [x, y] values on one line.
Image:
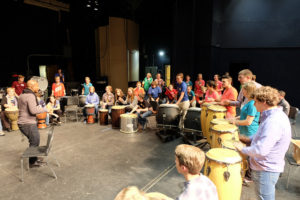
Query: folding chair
[[40, 151], [72, 107]]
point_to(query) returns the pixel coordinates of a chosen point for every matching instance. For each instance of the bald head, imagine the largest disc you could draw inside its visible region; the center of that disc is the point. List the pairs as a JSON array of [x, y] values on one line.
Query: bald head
[[92, 89], [33, 85]]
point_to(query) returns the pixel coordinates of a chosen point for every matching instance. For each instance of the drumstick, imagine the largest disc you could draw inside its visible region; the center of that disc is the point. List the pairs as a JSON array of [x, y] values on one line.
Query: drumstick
[[134, 109]]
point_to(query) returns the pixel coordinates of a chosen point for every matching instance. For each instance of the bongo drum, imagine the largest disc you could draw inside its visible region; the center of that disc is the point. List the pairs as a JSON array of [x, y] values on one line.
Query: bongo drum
[[116, 112], [168, 115], [192, 120], [214, 112], [90, 112], [223, 167], [203, 117], [129, 123], [103, 114], [12, 114], [222, 132], [215, 122], [42, 120], [228, 144]]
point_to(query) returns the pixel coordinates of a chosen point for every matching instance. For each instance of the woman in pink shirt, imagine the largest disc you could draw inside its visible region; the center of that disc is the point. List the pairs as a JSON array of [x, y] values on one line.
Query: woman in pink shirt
[[199, 87], [211, 94]]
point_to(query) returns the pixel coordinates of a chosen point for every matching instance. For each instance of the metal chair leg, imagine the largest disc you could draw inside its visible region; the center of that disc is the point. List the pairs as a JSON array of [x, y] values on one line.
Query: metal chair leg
[[22, 176], [288, 178], [55, 160], [51, 170]]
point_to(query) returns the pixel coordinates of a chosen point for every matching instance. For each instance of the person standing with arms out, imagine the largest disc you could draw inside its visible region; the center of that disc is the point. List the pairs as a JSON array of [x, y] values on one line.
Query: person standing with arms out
[[58, 88], [183, 99], [61, 75], [147, 82], [219, 84], [230, 93], [86, 86], [28, 109], [199, 88], [19, 85], [269, 145]]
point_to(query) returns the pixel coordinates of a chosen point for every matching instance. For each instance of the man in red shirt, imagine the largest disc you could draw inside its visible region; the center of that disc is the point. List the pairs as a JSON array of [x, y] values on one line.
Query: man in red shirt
[[218, 83], [58, 88], [19, 85], [230, 93]]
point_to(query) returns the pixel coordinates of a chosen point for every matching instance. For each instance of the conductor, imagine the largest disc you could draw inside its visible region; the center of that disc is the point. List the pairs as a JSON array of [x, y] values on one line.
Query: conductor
[[28, 108]]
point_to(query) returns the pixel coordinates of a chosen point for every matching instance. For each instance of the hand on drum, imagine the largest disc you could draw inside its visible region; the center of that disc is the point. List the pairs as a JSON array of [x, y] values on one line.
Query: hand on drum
[[238, 145], [225, 103]]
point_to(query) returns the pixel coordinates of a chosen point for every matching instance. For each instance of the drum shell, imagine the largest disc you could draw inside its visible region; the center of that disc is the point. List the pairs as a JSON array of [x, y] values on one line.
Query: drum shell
[[230, 189], [129, 124], [41, 116], [115, 117], [42, 120], [203, 118], [192, 120], [218, 137], [90, 110], [168, 116], [103, 115], [210, 135], [210, 116], [82, 99], [13, 117]]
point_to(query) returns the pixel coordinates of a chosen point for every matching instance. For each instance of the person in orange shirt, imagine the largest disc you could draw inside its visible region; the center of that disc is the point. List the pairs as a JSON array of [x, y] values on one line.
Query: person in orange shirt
[[58, 88], [229, 93], [218, 83], [138, 90]]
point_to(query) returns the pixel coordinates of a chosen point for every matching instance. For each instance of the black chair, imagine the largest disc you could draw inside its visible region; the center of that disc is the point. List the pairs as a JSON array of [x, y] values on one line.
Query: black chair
[[293, 117], [40, 151]]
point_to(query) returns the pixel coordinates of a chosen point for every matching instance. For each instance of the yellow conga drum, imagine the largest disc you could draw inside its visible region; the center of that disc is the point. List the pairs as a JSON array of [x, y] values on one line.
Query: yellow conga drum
[[214, 112], [228, 144], [223, 168], [222, 132], [203, 117], [213, 123]]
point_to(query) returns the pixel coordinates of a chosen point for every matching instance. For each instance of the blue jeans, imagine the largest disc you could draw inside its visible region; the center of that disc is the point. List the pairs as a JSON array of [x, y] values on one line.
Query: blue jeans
[[265, 184], [142, 117]]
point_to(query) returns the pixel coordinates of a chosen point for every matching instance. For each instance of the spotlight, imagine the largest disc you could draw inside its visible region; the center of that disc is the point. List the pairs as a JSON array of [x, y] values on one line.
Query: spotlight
[[161, 53], [96, 9]]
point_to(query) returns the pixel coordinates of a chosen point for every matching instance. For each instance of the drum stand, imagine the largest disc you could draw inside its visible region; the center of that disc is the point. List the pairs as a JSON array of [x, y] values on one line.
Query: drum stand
[[194, 137], [168, 132]]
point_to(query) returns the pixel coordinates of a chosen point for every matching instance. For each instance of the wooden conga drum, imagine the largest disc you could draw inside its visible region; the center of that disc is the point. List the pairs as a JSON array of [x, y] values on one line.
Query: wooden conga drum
[[223, 167], [13, 114], [214, 112], [228, 144], [203, 117], [129, 123], [42, 120], [116, 112], [222, 132], [213, 123], [90, 112], [103, 115]]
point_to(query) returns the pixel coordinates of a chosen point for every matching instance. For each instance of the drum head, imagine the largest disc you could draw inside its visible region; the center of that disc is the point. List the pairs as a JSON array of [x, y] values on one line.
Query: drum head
[[43, 82], [118, 107], [168, 106], [206, 104], [103, 110], [226, 156], [89, 106], [219, 121], [12, 109], [228, 144], [225, 128], [129, 115], [195, 109], [217, 108]]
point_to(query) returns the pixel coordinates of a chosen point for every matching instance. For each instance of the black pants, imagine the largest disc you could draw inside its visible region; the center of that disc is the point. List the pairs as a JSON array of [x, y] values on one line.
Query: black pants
[[32, 133]]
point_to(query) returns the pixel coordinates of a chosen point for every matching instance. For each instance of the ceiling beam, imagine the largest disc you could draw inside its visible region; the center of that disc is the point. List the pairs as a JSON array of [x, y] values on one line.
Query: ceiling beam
[[50, 4]]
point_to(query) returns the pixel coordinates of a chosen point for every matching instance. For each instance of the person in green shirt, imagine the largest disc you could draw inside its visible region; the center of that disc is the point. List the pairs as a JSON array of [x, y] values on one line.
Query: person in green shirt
[[147, 82]]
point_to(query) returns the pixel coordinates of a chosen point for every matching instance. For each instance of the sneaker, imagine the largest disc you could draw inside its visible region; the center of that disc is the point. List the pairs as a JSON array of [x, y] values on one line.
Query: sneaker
[[2, 133]]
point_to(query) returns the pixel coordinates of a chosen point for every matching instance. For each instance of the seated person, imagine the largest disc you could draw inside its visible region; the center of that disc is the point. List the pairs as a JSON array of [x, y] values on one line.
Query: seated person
[[211, 94], [171, 94], [189, 162], [133, 193], [138, 90], [119, 97], [8, 101], [154, 92], [108, 99], [54, 110], [131, 100], [191, 96], [144, 110], [92, 98]]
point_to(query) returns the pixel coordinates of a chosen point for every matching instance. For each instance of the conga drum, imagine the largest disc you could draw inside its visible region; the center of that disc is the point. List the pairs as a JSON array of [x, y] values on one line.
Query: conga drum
[[203, 117], [223, 167], [12, 114], [222, 132], [103, 115], [228, 144], [213, 123], [42, 120], [214, 112], [90, 112], [129, 123], [116, 112], [192, 120], [168, 115]]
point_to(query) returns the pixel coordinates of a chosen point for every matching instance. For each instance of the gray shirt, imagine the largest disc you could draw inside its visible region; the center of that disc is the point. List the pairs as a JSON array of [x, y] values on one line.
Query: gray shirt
[[285, 106]]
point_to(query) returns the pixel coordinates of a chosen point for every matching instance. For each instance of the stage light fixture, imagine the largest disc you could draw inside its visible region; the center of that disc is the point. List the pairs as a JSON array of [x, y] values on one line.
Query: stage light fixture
[[161, 53]]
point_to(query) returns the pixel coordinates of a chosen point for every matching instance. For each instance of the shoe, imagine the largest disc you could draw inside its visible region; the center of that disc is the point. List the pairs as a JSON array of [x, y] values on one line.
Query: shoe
[[2, 133]]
